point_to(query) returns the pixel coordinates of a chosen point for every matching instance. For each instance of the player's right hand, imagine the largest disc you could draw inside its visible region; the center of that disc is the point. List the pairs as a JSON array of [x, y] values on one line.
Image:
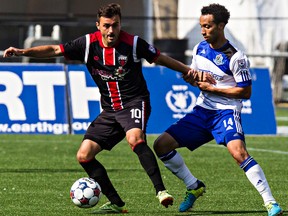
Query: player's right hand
[[11, 51]]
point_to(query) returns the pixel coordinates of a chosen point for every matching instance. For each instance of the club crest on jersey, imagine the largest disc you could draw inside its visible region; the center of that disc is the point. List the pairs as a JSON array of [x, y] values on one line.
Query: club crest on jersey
[[218, 60], [122, 60], [120, 72]]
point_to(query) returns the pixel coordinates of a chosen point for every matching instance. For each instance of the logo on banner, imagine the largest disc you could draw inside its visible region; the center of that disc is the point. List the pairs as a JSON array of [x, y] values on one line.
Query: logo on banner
[[247, 107], [180, 100]]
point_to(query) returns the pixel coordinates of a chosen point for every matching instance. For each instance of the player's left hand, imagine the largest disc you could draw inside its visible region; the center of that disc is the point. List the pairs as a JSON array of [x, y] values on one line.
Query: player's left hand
[[191, 77]]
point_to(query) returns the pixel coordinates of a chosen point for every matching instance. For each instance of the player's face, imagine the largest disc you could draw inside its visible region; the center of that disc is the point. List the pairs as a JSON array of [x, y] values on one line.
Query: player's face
[[110, 30], [209, 29]]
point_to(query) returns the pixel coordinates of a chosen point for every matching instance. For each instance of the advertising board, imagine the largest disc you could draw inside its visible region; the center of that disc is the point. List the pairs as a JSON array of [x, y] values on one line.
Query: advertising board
[[63, 99]]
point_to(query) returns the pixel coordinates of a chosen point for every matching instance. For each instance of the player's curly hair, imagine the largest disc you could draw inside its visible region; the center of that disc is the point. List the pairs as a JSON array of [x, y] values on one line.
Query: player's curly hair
[[219, 12], [109, 11]]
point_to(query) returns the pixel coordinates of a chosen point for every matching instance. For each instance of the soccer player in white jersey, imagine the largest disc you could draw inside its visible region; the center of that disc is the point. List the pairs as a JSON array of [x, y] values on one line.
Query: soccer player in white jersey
[[217, 114]]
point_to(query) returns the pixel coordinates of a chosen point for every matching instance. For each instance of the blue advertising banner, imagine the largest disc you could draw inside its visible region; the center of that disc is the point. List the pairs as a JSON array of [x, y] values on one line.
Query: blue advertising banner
[[84, 98], [258, 113], [33, 99], [61, 99], [172, 98]]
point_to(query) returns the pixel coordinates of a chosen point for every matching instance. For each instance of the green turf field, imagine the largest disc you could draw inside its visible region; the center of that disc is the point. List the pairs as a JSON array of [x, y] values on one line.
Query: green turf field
[[38, 171], [282, 115]]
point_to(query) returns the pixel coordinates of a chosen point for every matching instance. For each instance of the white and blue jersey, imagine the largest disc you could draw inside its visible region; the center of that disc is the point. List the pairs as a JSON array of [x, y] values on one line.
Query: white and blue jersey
[[214, 116], [228, 66]]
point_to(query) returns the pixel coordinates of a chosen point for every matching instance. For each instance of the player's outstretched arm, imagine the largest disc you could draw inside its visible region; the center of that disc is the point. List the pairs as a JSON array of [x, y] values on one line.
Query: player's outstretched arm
[[233, 92], [172, 64], [45, 51], [189, 75]]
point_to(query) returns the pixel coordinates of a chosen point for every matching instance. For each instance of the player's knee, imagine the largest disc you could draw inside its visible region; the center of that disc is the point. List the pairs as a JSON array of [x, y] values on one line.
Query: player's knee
[[134, 141], [164, 144], [83, 156], [88, 151], [157, 144], [134, 137]]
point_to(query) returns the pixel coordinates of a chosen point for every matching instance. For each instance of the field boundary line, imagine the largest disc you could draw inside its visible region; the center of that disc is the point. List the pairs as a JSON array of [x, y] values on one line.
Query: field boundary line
[[252, 149], [268, 150]]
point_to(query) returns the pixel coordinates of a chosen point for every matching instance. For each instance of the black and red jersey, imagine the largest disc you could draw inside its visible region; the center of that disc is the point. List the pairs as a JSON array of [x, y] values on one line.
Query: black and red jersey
[[117, 71]]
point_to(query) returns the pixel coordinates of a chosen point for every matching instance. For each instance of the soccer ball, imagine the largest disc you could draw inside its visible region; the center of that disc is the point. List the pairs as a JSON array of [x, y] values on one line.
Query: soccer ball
[[85, 192]]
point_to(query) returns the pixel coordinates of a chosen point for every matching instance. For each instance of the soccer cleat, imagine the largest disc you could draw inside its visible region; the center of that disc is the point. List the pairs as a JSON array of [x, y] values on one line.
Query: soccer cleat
[[273, 209], [191, 196], [111, 208], [165, 198]]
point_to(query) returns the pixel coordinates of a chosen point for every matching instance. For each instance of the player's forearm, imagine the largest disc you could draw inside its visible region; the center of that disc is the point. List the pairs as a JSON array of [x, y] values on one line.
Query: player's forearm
[[172, 64], [45, 51], [234, 92]]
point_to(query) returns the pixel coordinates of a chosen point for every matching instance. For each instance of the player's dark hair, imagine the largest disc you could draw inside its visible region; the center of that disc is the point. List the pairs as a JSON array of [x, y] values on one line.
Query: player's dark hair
[[219, 12], [109, 11]]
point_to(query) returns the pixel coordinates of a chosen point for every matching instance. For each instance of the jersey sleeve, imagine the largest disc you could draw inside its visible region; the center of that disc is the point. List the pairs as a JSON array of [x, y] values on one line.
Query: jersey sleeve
[[193, 60], [146, 51], [239, 65], [75, 49]]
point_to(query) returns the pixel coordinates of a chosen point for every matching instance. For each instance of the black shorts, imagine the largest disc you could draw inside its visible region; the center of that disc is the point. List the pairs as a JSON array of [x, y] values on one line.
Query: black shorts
[[109, 128]]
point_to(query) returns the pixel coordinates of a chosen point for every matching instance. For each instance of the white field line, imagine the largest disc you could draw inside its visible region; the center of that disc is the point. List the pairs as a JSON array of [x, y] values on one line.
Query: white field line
[[252, 149], [282, 118], [268, 150], [207, 145], [282, 130]]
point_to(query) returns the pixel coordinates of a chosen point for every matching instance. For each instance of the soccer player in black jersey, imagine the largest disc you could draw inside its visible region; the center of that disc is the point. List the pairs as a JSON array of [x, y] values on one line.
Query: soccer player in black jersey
[[113, 58]]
